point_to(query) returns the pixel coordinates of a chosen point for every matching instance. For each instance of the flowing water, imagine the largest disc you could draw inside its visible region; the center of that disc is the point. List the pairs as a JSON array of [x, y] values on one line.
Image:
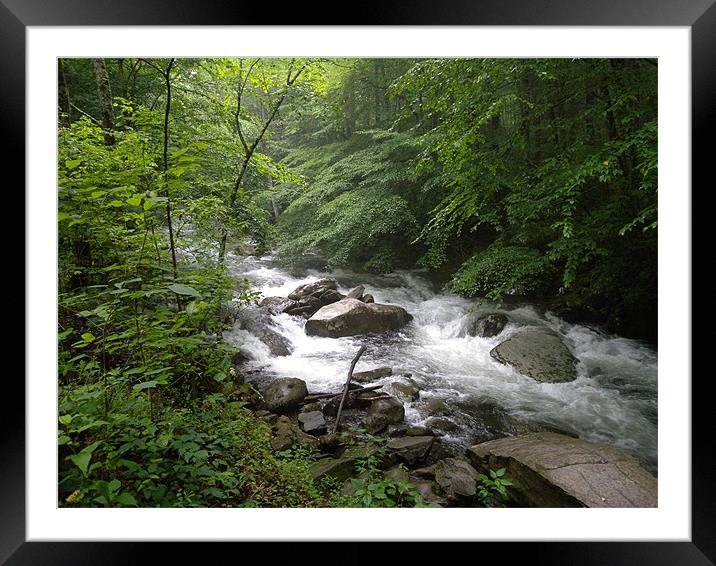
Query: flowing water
[[613, 399]]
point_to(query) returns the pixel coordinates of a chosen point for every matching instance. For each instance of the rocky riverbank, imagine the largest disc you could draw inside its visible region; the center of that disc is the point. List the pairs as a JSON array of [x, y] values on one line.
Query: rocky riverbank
[[548, 468]]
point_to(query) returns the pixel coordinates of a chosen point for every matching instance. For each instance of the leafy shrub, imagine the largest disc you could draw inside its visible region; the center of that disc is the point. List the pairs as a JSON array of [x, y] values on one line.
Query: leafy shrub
[[492, 490], [499, 271], [215, 453]]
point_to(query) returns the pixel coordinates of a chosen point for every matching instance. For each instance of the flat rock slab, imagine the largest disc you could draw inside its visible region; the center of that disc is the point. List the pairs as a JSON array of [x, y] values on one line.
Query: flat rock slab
[[339, 468], [539, 354], [351, 317], [312, 422], [554, 470], [411, 449]]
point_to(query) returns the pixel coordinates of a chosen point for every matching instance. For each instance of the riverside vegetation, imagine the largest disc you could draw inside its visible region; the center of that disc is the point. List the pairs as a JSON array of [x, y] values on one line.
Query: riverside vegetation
[[500, 179]]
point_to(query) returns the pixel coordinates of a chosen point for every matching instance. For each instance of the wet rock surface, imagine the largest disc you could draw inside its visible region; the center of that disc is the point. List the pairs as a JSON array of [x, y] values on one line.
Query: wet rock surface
[[539, 354], [553, 470]]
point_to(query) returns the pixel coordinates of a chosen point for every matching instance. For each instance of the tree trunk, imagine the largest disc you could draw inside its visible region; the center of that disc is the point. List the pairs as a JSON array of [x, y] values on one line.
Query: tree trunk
[[105, 99], [63, 98]]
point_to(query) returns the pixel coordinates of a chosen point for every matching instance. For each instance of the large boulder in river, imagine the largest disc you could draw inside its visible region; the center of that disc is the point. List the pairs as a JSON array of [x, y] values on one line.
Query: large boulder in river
[[351, 317], [539, 354], [285, 394], [553, 470], [310, 297]]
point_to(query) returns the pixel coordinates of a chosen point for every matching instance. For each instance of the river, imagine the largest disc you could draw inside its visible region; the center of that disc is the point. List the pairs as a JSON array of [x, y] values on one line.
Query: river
[[613, 400]]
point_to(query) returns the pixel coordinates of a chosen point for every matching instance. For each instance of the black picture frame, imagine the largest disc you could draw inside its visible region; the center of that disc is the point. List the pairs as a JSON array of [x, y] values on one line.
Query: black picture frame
[[699, 15]]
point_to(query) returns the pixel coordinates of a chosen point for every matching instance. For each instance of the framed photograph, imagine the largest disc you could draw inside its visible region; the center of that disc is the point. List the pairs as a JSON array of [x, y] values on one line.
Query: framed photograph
[[205, 59]]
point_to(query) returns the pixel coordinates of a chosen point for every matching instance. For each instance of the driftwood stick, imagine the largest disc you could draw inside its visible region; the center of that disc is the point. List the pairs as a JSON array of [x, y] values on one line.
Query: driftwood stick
[[316, 396], [345, 388]]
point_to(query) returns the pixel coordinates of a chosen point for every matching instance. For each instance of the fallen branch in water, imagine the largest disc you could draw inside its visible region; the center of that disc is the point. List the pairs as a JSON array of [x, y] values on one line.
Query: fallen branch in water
[[316, 396], [345, 388]]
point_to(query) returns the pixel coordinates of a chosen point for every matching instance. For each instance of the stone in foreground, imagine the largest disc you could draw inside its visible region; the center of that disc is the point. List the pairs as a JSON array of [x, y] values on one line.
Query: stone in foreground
[[539, 354], [411, 449], [351, 317], [312, 422], [553, 470], [285, 394]]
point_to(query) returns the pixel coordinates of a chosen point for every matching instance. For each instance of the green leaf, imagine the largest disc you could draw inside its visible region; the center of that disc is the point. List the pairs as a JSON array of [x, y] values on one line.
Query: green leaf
[[145, 385], [180, 289], [65, 419], [88, 337], [72, 163], [82, 458]]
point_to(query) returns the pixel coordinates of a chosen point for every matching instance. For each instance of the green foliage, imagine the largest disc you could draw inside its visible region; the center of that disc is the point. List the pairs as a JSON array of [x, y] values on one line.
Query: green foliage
[[359, 208], [492, 490], [373, 489], [214, 453], [501, 270]]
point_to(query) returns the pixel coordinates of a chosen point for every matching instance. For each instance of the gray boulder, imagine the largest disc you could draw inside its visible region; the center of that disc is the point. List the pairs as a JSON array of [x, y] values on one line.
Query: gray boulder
[[368, 298], [486, 325], [356, 293], [456, 477], [351, 317], [553, 470], [406, 392], [286, 433], [371, 375], [312, 422], [411, 449], [277, 305], [285, 394], [277, 344], [539, 354], [338, 468], [315, 288], [390, 408]]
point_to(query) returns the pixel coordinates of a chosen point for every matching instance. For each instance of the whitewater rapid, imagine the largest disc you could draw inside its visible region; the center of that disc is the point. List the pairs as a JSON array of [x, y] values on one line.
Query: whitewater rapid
[[613, 399]]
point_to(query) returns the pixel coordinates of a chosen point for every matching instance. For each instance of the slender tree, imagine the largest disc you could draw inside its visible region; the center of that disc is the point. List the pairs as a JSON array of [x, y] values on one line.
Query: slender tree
[[249, 148], [105, 99]]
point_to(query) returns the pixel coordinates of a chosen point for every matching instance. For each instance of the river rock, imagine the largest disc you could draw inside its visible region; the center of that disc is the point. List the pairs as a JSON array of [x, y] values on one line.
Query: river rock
[[442, 424], [329, 296], [285, 394], [286, 433], [403, 391], [373, 424], [315, 288], [368, 298], [486, 325], [312, 422], [456, 477], [539, 354], [277, 344], [277, 305], [553, 470], [257, 321], [411, 449], [371, 375], [356, 293], [351, 317], [338, 468], [391, 408]]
